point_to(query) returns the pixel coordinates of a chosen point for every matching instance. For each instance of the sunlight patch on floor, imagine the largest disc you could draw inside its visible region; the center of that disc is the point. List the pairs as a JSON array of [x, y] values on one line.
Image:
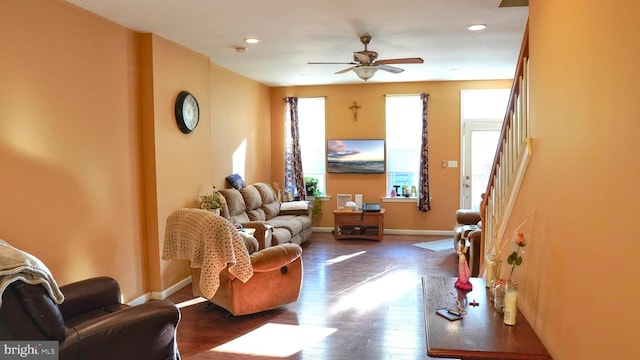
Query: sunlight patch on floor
[[374, 291], [275, 340], [191, 302], [342, 258]]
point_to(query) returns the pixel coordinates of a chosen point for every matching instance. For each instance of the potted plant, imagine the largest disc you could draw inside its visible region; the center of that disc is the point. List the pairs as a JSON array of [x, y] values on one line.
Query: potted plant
[[212, 201], [310, 185], [316, 209]]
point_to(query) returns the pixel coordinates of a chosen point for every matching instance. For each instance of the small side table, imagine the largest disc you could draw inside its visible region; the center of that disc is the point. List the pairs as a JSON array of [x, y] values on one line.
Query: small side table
[[349, 224]]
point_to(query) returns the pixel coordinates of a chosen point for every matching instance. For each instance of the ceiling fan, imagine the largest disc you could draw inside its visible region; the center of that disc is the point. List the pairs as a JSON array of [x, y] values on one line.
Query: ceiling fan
[[366, 64]]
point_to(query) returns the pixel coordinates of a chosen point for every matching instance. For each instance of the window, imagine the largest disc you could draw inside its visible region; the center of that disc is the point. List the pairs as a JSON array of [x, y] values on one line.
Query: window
[[404, 139], [484, 104], [311, 121]]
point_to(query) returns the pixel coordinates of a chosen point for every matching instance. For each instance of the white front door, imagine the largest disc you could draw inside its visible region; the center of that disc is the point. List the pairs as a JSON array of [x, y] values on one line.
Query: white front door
[[480, 141]]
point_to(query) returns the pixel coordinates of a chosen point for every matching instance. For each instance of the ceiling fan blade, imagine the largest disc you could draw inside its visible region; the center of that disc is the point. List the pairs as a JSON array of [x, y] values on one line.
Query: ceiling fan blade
[[391, 69], [415, 60], [363, 58], [332, 63], [345, 70]]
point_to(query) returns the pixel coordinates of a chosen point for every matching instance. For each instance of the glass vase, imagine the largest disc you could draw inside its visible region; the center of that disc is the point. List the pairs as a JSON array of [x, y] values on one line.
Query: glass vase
[[510, 303], [494, 266], [499, 289]]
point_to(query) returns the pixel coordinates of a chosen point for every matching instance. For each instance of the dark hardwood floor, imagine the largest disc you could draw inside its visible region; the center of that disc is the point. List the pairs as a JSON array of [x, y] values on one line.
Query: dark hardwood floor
[[359, 300]]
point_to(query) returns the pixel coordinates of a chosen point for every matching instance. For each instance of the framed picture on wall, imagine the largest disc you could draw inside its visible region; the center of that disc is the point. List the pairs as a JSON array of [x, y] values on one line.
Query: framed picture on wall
[[343, 199]]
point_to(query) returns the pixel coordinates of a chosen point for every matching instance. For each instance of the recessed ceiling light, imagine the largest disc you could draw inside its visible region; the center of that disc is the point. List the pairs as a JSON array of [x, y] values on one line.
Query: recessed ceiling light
[[476, 27], [251, 40]]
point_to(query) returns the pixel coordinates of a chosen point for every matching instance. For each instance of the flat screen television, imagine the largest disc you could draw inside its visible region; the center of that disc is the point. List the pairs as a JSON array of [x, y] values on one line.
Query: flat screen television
[[355, 156]]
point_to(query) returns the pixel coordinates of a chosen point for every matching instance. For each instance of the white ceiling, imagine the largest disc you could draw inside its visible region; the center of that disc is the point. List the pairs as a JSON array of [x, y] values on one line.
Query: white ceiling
[[294, 32]]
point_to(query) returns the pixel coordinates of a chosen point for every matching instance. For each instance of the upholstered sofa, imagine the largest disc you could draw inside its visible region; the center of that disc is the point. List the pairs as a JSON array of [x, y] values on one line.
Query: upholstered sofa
[[257, 206], [468, 226]]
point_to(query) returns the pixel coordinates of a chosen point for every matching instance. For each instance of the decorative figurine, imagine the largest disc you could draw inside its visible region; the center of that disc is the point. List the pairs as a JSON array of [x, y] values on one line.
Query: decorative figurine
[[463, 268]]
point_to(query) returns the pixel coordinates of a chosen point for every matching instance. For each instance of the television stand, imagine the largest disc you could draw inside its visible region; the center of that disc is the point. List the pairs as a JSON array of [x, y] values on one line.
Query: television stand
[[349, 224]]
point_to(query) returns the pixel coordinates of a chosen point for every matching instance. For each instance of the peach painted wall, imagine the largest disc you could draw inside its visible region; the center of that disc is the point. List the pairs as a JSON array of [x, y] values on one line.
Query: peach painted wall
[[240, 117], [581, 274], [92, 159], [444, 144], [70, 134], [234, 115], [182, 161], [231, 130]]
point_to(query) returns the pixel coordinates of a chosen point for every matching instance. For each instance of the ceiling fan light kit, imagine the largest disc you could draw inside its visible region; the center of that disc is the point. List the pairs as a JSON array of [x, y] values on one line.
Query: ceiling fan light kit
[[365, 63], [365, 72]]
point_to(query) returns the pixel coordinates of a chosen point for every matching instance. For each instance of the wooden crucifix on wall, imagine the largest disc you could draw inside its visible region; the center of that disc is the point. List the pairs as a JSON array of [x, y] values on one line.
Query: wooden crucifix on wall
[[355, 108]]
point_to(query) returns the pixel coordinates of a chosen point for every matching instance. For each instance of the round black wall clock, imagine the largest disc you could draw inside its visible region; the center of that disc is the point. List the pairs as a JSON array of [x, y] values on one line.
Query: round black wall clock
[[187, 112]]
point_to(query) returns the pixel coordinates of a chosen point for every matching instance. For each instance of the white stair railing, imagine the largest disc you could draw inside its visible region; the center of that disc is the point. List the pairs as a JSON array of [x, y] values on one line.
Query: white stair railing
[[512, 157]]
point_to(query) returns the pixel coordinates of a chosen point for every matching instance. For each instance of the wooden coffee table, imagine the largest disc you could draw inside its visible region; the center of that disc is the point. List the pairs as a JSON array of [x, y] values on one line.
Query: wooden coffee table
[[349, 224], [480, 334]]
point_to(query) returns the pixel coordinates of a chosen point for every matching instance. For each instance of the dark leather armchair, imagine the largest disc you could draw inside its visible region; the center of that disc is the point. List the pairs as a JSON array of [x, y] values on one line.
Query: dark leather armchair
[[91, 323]]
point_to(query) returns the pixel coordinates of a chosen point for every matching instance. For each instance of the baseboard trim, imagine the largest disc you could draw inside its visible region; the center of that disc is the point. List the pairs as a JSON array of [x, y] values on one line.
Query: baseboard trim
[[418, 232], [321, 229], [156, 295], [398, 231]]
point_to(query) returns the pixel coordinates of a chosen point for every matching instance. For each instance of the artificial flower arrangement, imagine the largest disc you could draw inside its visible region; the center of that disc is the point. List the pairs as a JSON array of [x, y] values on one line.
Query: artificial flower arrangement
[[212, 200], [504, 293], [510, 290], [515, 259]]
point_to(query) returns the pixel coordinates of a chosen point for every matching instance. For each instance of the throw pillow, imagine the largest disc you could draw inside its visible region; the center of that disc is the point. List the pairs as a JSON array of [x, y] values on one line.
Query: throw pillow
[[236, 181]]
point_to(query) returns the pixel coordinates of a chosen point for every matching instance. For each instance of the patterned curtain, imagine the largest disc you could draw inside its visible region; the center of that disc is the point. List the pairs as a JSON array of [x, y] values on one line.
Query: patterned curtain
[[293, 175], [424, 199]]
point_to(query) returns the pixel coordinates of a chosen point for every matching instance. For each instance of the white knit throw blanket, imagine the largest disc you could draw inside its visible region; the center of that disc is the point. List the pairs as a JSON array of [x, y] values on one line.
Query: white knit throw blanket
[[210, 242], [16, 264]]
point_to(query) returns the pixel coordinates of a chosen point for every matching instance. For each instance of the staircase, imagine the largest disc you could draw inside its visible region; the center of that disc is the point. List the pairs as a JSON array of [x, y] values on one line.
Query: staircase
[[512, 157]]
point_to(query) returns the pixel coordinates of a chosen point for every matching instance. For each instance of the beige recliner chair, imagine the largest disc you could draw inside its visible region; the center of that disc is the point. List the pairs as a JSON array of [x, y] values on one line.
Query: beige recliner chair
[[276, 281], [226, 266]]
